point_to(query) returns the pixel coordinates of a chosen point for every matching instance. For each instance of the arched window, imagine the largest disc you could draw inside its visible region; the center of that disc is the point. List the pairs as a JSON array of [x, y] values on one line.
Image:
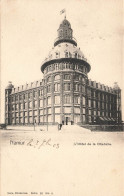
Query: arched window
[[57, 77], [49, 79]]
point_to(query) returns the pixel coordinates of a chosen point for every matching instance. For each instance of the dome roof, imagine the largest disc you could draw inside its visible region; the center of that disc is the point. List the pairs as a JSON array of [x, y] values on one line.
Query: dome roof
[[116, 87], [9, 86], [65, 50], [65, 22]]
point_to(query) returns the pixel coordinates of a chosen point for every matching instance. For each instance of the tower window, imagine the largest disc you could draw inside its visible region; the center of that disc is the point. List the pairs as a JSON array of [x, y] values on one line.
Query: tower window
[[57, 99], [67, 99], [75, 55], [77, 100], [56, 87], [67, 77], [57, 55], [67, 87], [66, 54], [49, 100], [57, 77], [76, 87], [49, 88], [49, 79]]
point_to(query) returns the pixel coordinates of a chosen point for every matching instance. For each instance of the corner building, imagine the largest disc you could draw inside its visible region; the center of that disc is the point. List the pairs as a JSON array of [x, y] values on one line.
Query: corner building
[[65, 94]]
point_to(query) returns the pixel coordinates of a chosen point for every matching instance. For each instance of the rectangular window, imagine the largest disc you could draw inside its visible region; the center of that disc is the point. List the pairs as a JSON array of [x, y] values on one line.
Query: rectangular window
[[25, 105], [35, 112], [83, 101], [98, 113], [41, 118], [56, 87], [16, 114], [98, 104], [25, 113], [20, 97], [67, 77], [49, 110], [35, 93], [40, 92], [30, 104], [13, 107], [83, 89], [57, 99], [41, 103], [84, 111], [77, 100], [77, 110], [94, 113], [102, 105], [35, 104], [67, 99], [67, 110], [94, 104], [89, 103], [25, 96], [41, 112], [16, 97], [76, 87], [89, 112], [67, 87], [49, 100], [29, 95], [49, 118], [30, 113], [21, 114], [16, 107], [48, 88], [57, 110], [20, 106], [30, 119]]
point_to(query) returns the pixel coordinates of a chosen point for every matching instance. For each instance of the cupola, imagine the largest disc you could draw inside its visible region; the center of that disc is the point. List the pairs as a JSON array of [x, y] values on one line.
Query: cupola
[[65, 33]]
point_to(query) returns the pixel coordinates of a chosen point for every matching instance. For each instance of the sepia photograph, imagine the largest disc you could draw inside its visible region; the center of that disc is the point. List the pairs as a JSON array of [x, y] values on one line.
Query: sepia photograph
[[61, 98]]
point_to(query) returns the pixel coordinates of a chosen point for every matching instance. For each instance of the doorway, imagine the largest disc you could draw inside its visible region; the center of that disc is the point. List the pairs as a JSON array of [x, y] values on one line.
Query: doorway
[[67, 120]]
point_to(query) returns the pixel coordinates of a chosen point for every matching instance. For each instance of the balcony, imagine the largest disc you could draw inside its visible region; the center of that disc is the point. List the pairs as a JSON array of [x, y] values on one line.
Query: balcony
[[59, 40]]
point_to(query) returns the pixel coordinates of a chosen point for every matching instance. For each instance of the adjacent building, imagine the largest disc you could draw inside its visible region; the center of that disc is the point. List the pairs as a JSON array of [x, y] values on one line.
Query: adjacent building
[[65, 94]]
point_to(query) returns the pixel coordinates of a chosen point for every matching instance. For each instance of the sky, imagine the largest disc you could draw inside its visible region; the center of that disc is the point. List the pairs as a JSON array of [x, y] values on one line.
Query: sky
[[29, 28]]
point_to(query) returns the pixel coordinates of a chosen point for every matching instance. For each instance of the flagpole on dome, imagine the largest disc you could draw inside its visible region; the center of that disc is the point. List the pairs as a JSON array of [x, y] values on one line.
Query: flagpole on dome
[[63, 11]]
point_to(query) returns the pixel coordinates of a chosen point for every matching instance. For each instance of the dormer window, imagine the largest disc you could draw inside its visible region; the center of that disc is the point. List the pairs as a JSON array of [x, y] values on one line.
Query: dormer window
[[75, 55], [57, 55], [66, 54]]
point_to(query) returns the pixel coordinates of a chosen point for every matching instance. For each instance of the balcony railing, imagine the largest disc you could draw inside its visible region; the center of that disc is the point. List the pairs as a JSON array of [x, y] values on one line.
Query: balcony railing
[[64, 39]]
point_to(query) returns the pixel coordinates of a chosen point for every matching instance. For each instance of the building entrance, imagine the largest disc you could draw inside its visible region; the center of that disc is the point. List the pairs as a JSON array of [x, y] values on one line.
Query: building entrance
[[67, 120]]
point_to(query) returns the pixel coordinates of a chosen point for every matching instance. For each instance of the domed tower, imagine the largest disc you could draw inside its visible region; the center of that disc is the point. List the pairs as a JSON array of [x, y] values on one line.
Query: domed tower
[[65, 75]]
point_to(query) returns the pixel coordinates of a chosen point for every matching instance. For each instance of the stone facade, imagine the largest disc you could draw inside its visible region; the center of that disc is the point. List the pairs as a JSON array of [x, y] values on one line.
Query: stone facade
[[65, 94]]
